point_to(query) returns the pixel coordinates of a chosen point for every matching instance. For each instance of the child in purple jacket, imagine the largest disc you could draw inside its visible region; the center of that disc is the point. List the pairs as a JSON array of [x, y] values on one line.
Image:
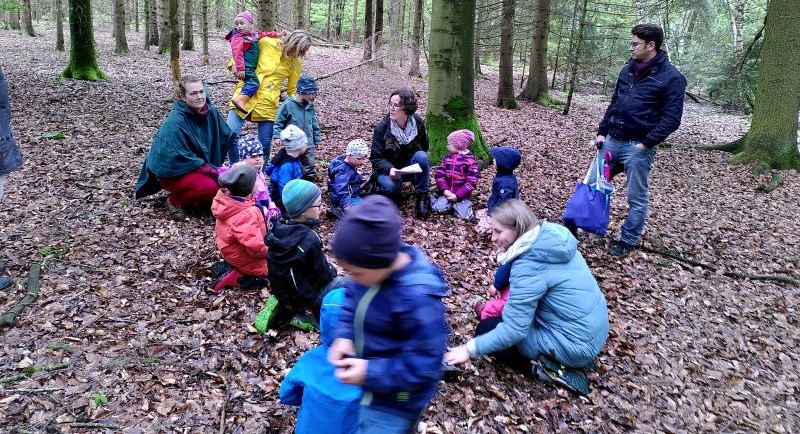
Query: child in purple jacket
[[457, 176]]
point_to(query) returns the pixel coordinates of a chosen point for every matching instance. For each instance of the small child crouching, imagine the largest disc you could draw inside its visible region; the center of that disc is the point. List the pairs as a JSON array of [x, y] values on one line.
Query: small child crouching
[[457, 176], [240, 227], [251, 153], [286, 165], [344, 179]]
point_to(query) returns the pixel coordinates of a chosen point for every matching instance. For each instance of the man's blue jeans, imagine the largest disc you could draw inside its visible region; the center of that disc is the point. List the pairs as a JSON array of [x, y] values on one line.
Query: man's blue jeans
[[391, 187], [637, 169], [235, 123], [378, 422]]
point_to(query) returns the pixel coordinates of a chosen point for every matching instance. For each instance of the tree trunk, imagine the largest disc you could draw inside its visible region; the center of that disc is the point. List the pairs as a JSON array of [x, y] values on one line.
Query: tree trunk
[[82, 55], [267, 14], [136, 14], [536, 88], [163, 26], [188, 26], [416, 39], [174, 41], [558, 51], [219, 14], [480, 25], [120, 40], [152, 15], [25, 18], [204, 24], [378, 39], [59, 19], [451, 92], [328, 21], [772, 138], [353, 26], [299, 6], [736, 12], [570, 47], [505, 90], [368, 52], [576, 56], [395, 24]]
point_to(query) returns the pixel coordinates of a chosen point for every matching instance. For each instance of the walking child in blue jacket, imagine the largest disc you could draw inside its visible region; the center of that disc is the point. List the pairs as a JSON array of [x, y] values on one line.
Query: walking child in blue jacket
[[392, 332], [344, 180], [286, 165], [327, 406]]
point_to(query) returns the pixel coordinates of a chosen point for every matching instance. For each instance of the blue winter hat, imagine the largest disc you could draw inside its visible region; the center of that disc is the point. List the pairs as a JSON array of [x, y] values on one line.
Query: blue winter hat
[[306, 85], [249, 146], [298, 195], [368, 235]]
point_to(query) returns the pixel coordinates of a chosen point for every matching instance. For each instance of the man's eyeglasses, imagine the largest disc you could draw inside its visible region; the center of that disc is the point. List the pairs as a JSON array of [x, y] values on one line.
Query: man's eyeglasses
[[635, 44]]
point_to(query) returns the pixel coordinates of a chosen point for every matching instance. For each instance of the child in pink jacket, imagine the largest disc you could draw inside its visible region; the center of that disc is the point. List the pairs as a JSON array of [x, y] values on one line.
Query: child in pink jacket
[[251, 153], [457, 176]]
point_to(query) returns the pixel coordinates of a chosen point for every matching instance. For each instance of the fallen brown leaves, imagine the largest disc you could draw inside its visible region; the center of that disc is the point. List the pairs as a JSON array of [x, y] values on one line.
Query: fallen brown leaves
[[124, 308]]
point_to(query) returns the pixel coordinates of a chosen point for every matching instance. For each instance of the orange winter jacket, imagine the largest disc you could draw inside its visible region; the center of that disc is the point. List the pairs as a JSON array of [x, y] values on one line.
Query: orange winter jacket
[[240, 231]]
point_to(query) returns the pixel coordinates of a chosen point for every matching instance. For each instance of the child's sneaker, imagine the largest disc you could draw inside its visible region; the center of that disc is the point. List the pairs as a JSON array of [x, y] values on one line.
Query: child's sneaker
[[305, 322], [266, 315], [550, 371]]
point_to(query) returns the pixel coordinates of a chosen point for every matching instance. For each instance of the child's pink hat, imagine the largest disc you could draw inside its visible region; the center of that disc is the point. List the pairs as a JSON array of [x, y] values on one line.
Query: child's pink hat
[[246, 15], [461, 139]]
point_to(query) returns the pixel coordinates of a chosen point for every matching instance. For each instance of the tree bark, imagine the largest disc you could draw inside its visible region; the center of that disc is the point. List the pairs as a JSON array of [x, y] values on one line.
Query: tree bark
[[136, 14], [505, 90], [219, 11], [368, 22], [163, 26], [59, 19], [153, 17], [378, 39], [772, 138], [480, 25], [82, 63], [451, 92], [736, 13], [174, 41], [536, 88], [576, 56], [416, 39], [204, 24], [147, 29], [267, 14], [328, 20], [120, 40], [353, 25], [299, 6], [25, 18], [188, 26]]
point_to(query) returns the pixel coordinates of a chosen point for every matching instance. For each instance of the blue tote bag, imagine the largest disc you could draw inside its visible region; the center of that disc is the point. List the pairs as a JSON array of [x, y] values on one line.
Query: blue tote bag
[[589, 206]]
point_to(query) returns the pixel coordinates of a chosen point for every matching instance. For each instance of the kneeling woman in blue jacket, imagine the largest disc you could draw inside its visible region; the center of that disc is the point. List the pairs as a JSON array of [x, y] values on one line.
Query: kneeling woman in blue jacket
[[555, 314]]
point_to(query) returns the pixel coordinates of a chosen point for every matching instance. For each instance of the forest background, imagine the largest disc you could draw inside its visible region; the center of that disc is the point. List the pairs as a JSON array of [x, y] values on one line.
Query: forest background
[[125, 336]]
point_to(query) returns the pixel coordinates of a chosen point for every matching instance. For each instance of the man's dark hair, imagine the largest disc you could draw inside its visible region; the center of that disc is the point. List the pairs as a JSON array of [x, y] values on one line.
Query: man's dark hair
[[649, 32], [407, 99]]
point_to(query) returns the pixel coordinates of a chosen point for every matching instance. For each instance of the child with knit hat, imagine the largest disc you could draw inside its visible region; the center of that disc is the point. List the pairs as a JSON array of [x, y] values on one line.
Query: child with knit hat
[[240, 227], [299, 110], [251, 153], [457, 176], [392, 331], [244, 48], [286, 164], [300, 275], [344, 178]]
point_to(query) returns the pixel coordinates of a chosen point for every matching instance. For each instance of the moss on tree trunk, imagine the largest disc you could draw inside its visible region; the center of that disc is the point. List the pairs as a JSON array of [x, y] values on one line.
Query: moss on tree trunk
[[82, 55], [451, 95]]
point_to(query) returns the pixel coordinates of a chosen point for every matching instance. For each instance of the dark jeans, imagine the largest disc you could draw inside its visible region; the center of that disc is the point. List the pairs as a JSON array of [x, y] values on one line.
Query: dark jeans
[[510, 356]]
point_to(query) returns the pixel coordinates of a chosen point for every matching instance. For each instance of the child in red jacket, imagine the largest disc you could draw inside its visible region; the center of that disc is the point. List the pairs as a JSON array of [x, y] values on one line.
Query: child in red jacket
[[457, 176], [240, 227]]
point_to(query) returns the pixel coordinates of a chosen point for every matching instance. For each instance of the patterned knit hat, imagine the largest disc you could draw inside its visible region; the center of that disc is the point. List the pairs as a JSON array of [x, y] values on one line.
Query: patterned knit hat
[[293, 138], [249, 146], [247, 16], [239, 180], [460, 139], [357, 148], [306, 85], [368, 235], [298, 196]]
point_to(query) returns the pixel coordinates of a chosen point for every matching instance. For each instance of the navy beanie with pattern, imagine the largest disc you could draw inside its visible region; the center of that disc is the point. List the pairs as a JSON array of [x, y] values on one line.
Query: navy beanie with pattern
[[249, 146], [368, 235], [306, 85]]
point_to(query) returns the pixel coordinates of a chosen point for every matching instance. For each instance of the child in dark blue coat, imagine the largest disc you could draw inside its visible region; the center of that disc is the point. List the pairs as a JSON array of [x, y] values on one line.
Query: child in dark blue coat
[[327, 406], [504, 186], [392, 332], [344, 180]]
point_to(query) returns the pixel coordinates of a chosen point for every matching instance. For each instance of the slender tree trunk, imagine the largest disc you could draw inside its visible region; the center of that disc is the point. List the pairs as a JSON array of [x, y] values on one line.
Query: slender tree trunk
[[26, 19], [571, 47], [204, 24], [174, 41], [82, 55], [505, 90], [368, 17], [328, 22], [536, 88], [736, 12], [480, 25], [558, 51], [153, 18], [163, 26], [59, 19], [576, 56], [188, 26], [299, 6], [378, 39], [219, 14], [268, 14], [416, 39], [307, 14], [772, 138], [120, 40], [136, 14], [451, 92], [353, 26]]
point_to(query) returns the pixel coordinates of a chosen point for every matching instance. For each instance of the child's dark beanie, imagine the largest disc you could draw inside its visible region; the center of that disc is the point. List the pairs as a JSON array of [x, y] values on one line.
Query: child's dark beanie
[[239, 180], [368, 235]]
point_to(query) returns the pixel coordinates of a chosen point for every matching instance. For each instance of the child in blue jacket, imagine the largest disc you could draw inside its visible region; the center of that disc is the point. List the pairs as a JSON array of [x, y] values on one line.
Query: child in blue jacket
[[286, 165], [504, 185], [299, 110], [326, 405], [344, 180], [392, 332]]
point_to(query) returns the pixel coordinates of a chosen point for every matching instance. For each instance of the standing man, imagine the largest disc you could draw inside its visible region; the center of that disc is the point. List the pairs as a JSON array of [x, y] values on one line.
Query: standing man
[[10, 157], [646, 107]]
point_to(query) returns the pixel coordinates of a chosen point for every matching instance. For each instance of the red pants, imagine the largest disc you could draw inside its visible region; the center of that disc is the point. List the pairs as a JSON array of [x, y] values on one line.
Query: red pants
[[193, 189]]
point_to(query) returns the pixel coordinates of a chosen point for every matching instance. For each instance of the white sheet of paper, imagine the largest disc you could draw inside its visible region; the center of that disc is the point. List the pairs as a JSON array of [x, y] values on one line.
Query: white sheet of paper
[[409, 170]]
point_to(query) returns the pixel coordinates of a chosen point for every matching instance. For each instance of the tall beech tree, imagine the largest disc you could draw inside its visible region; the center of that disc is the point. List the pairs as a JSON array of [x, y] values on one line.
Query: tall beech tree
[[188, 26], [536, 87], [59, 19], [26, 18], [451, 91], [82, 63], [120, 40], [505, 90]]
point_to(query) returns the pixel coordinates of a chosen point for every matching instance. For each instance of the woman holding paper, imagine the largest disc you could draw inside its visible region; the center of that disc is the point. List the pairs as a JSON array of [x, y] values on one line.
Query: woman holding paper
[[400, 141]]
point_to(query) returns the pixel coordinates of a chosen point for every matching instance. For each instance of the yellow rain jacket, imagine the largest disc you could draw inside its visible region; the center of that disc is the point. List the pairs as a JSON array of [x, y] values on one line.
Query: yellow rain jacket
[[271, 70]]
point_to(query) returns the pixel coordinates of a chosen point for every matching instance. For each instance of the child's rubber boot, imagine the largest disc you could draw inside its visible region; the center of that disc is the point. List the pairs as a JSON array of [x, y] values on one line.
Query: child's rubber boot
[[240, 101], [231, 278], [305, 322], [266, 314], [551, 371]]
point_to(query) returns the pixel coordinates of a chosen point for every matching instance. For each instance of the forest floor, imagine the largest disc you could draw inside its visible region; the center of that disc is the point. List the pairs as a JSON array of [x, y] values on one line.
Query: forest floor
[[126, 333]]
